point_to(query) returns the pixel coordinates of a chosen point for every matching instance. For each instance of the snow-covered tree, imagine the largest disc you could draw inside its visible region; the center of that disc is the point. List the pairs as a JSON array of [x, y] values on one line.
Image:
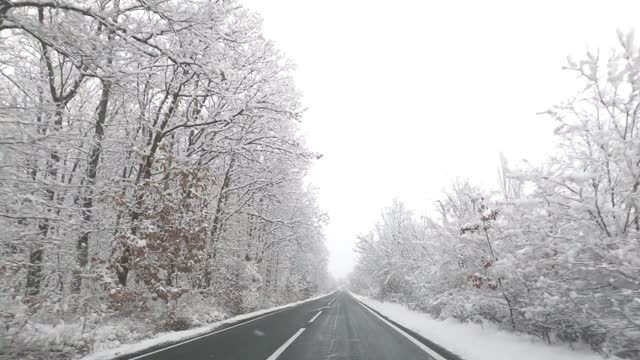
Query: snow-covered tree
[[149, 157], [554, 251]]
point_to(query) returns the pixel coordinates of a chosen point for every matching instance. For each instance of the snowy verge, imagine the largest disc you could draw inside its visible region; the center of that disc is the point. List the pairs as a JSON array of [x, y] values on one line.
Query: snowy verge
[[477, 342], [174, 337]]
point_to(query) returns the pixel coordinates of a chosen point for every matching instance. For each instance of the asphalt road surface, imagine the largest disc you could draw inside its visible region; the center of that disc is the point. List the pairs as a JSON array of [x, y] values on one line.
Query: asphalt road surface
[[335, 327]]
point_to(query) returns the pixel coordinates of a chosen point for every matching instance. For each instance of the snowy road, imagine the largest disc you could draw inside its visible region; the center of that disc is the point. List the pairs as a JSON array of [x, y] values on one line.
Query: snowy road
[[335, 327]]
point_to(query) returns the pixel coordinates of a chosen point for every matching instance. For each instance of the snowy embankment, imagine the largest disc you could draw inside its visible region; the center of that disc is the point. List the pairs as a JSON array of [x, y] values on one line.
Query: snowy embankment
[[475, 341], [173, 337]]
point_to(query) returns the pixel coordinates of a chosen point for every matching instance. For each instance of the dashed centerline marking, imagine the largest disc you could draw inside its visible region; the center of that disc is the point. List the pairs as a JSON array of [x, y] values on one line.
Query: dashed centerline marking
[[207, 335], [313, 318], [284, 346], [331, 302], [240, 323]]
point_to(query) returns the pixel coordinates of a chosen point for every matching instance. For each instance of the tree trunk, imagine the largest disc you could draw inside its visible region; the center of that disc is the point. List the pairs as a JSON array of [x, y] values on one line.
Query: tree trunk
[[217, 223], [123, 263], [82, 245]]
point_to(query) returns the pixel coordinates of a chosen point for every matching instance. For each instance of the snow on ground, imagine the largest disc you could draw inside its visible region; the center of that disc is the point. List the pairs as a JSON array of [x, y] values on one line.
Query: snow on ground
[[173, 337], [477, 342]]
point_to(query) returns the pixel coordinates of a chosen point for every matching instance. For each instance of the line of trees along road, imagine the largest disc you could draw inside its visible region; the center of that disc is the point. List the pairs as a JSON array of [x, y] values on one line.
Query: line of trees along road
[[556, 251], [149, 159]]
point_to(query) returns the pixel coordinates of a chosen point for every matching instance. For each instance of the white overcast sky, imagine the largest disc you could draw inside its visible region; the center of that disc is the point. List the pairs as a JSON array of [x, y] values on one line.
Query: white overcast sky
[[406, 95]]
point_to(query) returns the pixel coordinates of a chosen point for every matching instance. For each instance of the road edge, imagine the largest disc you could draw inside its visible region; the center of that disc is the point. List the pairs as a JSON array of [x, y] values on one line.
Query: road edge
[[154, 348], [428, 343]]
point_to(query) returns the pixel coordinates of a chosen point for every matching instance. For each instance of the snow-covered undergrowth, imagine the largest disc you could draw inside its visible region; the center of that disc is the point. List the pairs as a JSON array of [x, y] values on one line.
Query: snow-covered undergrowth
[[478, 341], [64, 330]]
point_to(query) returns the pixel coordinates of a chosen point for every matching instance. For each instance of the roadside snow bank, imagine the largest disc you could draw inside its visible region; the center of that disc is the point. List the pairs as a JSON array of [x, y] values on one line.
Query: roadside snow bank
[[477, 342], [173, 337]]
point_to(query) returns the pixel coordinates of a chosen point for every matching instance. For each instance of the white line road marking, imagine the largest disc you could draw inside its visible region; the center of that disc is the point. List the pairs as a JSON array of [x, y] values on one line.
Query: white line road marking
[[284, 346], [313, 318], [331, 302], [216, 332], [422, 346], [205, 335]]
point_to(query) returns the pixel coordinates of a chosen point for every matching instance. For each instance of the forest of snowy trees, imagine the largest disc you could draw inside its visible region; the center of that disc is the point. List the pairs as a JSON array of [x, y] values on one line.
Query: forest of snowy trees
[[152, 178], [150, 170], [554, 251]]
